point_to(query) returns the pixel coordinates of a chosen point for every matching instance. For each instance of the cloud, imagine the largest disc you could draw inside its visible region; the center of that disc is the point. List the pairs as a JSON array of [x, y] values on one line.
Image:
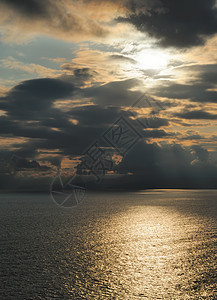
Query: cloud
[[205, 74], [63, 19], [191, 136], [201, 153], [50, 133], [153, 122], [166, 166], [18, 163], [115, 93], [157, 134], [197, 91], [196, 115], [31, 8], [31, 113], [29, 98], [197, 84], [181, 23], [79, 76], [13, 64], [123, 58], [93, 115], [106, 66]]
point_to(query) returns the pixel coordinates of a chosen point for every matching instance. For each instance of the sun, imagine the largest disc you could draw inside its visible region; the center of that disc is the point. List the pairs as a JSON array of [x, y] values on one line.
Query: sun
[[152, 59]]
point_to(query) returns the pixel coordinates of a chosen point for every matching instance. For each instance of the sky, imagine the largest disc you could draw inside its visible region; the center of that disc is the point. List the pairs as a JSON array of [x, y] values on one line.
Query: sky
[[121, 93]]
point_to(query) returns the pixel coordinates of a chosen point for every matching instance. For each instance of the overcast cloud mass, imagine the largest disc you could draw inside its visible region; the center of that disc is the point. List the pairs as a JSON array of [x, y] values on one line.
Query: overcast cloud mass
[[139, 78]]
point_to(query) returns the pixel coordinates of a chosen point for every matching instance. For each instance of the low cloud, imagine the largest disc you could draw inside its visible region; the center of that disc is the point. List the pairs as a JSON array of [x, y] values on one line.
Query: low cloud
[[53, 133], [196, 115]]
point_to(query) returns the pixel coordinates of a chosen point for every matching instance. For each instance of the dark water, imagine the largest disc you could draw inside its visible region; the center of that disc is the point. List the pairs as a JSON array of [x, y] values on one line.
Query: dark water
[[148, 245]]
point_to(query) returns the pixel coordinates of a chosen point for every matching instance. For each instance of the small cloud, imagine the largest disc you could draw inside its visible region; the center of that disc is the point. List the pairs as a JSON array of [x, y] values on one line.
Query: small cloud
[[196, 115]]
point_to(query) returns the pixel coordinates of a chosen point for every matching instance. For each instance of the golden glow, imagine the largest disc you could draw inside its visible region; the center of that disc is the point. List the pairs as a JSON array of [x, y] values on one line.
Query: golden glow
[[3, 113], [73, 121]]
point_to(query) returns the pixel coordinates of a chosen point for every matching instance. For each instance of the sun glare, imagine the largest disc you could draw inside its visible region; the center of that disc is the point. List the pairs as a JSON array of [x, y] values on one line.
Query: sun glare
[[152, 59]]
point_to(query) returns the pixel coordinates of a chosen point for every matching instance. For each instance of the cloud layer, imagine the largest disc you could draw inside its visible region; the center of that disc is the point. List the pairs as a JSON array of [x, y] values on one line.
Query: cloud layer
[[180, 23], [96, 63]]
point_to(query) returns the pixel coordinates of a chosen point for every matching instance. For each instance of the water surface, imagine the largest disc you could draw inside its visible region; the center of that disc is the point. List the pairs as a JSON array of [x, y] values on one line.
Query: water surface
[[147, 245]]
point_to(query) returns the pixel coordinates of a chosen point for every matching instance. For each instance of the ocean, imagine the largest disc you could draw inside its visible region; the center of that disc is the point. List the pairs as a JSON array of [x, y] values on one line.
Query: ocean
[[153, 244]]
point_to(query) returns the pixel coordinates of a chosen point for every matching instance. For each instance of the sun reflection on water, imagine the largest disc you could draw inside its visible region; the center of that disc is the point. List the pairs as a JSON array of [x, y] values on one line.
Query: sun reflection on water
[[153, 251]]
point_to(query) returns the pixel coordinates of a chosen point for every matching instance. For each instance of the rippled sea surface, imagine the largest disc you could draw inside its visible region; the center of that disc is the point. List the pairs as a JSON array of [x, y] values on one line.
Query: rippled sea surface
[[147, 245]]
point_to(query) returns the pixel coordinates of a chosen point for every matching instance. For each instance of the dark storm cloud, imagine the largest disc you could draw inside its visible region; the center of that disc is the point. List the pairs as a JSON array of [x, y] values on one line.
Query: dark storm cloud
[[161, 166], [153, 122], [205, 74], [31, 114], [201, 153], [114, 93], [200, 89], [53, 129], [179, 23], [7, 125], [29, 8], [144, 158], [195, 91], [93, 115], [18, 163], [191, 137], [70, 139], [157, 134], [168, 166], [196, 115], [43, 88], [31, 97], [92, 121]]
